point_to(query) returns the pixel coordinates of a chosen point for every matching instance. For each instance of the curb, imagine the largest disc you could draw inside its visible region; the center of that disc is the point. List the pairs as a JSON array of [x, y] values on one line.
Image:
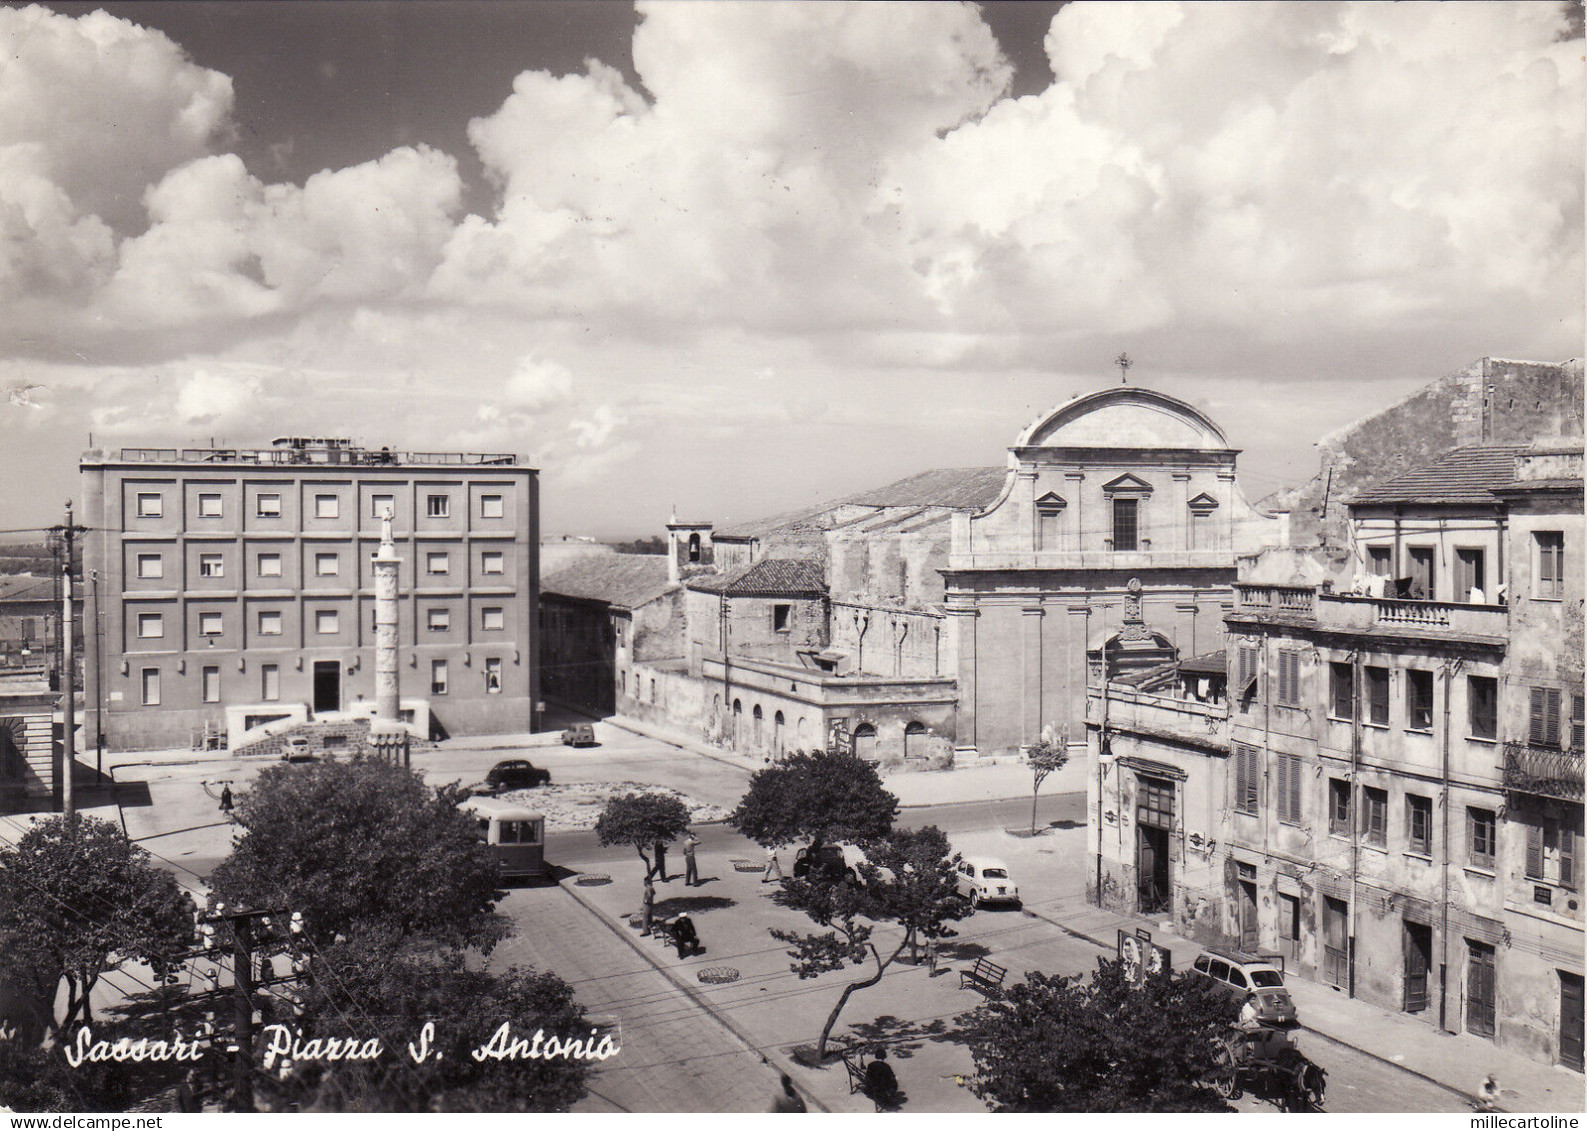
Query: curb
[[769, 1056]]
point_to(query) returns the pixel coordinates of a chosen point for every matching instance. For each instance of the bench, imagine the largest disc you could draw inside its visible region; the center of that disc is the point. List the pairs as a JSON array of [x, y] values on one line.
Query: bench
[[854, 1065], [985, 975]]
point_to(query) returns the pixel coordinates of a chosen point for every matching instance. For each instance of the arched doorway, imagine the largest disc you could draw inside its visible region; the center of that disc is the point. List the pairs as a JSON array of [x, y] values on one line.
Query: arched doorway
[[865, 742], [760, 739], [777, 735], [802, 733], [738, 724], [915, 740]]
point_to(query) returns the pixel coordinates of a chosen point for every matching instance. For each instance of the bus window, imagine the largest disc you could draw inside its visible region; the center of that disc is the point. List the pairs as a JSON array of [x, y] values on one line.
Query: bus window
[[520, 832], [482, 828]]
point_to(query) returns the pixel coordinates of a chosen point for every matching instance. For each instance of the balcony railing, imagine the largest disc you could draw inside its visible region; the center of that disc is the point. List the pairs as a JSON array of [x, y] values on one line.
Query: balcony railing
[[1281, 598], [317, 455], [1421, 614], [1543, 772]]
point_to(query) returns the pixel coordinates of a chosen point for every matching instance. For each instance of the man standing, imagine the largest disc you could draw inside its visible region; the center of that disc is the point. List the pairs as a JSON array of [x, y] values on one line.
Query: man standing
[[661, 861], [691, 870], [647, 906]]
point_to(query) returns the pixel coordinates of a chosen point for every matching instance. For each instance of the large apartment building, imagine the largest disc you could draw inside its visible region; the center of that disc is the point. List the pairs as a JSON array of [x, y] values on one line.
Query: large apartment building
[[1390, 793], [228, 588]]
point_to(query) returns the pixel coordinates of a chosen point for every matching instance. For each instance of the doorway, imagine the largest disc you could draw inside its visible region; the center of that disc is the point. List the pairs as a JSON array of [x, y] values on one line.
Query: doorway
[[1154, 819], [1418, 961], [1570, 1020], [1250, 931], [1289, 928], [327, 685], [1336, 942], [1480, 988]]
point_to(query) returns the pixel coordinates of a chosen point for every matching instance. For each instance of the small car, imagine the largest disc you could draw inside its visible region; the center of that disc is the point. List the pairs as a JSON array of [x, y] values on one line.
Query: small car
[[1243, 975], [984, 879], [580, 734], [515, 773], [825, 862], [297, 749]]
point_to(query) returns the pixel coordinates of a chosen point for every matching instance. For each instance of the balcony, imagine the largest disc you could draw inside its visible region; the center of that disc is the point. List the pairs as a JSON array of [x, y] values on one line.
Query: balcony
[[1292, 599], [1371, 616], [1543, 772]]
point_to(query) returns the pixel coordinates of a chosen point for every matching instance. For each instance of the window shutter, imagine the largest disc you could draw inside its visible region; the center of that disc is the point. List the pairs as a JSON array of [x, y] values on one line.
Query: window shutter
[[1534, 852], [1551, 698], [1567, 856], [1576, 723], [1539, 709], [1293, 792], [1282, 801]]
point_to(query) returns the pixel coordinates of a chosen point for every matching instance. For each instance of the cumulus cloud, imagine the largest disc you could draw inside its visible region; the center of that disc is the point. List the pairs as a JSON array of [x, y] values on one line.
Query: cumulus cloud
[[536, 385], [209, 398]]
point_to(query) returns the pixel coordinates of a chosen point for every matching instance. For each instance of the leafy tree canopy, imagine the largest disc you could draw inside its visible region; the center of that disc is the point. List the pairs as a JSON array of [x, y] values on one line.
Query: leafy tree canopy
[[1066, 1044], [819, 795], [641, 820], [377, 988], [362, 845], [76, 899]]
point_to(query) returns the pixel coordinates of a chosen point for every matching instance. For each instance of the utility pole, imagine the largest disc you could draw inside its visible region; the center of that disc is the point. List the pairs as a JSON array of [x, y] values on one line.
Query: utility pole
[[68, 532], [242, 927]]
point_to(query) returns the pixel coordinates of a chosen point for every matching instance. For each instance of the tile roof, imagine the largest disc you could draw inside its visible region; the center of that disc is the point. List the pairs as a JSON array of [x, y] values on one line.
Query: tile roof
[[769, 577], [958, 488], [26, 587], [624, 580], [1462, 475]]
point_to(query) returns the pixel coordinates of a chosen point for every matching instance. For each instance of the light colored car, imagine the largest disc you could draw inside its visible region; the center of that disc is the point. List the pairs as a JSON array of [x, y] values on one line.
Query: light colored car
[[297, 749], [985, 879], [1245, 975]]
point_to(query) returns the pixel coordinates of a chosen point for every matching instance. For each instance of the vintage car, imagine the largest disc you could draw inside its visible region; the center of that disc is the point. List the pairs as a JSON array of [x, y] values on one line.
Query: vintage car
[[1246, 975], [985, 879], [515, 773], [579, 734]]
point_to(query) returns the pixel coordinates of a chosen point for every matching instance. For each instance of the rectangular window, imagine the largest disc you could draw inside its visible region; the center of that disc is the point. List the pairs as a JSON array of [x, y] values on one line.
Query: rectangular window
[[380, 504], [1551, 852], [490, 506], [438, 506], [269, 622], [151, 626], [1419, 824], [327, 506], [1289, 788], [437, 677], [1380, 560], [437, 562], [1418, 699], [150, 504], [1470, 583], [267, 506], [269, 565], [326, 565], [438, 620], [1422, 572], [1250, 668], [209, 624], [779, 617], [491, 561], [151, 565], [327, 622], [1482, 702], [1247, 779], [1374, 815], [493, 674], [1126, 524], [1339, 806], [151, 687], [1288, 692], [1550, 563], [211, 685], [1482, 836], [269, 682], [1341, 690], [1544, 730], [493, 620], [1377, 696], [211, 565], [209, 506]]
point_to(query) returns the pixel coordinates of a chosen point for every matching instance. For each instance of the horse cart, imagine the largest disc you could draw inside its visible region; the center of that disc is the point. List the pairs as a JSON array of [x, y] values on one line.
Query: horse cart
[[1265, 1062]]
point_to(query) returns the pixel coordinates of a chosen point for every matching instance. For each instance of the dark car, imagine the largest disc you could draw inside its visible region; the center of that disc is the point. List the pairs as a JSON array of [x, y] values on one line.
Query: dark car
[[823, 861], [580, 734], [516, 773]]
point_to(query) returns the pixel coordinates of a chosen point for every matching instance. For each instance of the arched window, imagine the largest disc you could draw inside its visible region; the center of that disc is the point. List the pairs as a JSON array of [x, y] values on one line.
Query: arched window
[[738, 724], [694, 547], [865, 742], [915, 740], [802, 733], [777, 734], [759, 720]]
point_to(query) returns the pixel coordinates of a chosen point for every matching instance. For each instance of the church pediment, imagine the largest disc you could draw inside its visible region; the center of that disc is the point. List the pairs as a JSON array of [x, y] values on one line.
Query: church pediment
[[1203, 503], [1051, 501], [1124, 417], [1127, 484]]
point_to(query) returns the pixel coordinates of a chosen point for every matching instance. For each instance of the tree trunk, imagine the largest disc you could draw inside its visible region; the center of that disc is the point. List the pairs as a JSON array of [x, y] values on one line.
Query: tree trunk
[[1035, 790], [849, 990], [648, 865]]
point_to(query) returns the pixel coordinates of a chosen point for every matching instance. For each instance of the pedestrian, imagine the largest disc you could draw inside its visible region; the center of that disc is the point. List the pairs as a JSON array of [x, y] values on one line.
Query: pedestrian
[[880, 1083], [647, 906], [691, 871], [1488, 1093], [661, 861], [773, 871], [788, 1099], [683, 934], [225, 799]]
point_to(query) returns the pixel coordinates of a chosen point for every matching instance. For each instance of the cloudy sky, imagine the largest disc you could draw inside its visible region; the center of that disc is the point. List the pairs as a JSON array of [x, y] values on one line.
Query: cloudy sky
[[738, 257]]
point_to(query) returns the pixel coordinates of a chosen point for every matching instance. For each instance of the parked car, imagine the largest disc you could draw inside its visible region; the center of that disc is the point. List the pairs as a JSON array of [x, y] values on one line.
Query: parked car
[[580, 734], [826, 861], [297, 749], [1242, 975], [515, 773], [984, 879]]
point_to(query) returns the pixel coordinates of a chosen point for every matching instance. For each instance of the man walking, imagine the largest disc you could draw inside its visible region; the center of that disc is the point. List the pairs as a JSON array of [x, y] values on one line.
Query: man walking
[[691, 870], [661, 861]]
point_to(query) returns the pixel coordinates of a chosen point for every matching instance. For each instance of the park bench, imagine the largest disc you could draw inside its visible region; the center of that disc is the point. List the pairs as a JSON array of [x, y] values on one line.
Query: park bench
[[854, 1065], [986, 976]]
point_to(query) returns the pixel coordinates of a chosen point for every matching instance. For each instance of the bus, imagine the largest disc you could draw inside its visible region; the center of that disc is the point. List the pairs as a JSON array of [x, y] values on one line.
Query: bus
[[515, 834]]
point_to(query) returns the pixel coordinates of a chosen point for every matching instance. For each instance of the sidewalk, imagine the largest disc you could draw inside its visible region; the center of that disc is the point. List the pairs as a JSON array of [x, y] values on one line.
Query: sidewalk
[[1454, 1061]]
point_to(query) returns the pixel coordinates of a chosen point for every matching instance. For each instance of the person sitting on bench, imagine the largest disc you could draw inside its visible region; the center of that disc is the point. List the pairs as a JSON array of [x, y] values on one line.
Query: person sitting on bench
[[880, 1083]]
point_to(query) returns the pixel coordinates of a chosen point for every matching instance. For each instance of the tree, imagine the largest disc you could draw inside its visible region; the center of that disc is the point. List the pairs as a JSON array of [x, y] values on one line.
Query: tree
[[77, 899], [642, 820], [1045, 757], [377, 986], [1063, 1044], [821, 795], [362, 845], [908, 880]]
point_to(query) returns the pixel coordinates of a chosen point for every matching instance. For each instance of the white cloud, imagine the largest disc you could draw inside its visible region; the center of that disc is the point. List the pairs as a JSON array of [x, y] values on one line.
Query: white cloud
[[208, 399], [537, 385]]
